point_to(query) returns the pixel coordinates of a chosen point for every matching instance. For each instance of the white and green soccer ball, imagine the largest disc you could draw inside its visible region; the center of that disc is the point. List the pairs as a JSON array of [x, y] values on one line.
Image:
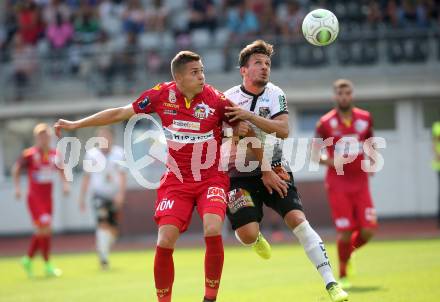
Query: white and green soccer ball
[[320, 27]]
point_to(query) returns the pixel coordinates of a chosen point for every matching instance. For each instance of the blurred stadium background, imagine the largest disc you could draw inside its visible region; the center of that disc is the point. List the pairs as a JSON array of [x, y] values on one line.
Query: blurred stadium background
[[73, 57]]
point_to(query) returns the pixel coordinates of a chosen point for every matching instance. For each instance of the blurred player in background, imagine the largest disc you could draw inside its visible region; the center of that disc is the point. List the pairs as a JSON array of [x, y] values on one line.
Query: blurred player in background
[[40, 163], [349, 195], [436, 161], [108, 188], [192, 114], [263, 105]]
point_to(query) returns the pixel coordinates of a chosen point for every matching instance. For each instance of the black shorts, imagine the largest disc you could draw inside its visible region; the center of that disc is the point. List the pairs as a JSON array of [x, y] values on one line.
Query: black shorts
[[105, 211], [247, 196]]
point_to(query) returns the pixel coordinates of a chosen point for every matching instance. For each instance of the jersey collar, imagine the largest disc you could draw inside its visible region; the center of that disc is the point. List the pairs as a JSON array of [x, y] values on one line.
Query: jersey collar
[[250, 93]]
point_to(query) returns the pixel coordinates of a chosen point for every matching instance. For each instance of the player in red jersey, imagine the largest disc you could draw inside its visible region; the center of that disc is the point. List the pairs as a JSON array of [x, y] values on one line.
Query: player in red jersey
[[192, 114], [349, 196], [40, 162]]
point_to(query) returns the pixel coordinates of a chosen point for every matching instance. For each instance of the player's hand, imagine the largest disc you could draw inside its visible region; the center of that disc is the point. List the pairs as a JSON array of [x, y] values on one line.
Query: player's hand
[[241, 129], [273, 182], [18, 194], [237, 113], [63, 124]]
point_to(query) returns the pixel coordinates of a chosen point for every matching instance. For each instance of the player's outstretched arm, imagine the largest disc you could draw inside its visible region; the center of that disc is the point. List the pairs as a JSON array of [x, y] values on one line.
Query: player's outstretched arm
[[16, 176], [278, 125], [102, 118]]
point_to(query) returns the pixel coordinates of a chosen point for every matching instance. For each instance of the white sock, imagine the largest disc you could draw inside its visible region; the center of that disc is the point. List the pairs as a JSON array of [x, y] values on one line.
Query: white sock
[[104, 240], [315, 250], [245, 244]]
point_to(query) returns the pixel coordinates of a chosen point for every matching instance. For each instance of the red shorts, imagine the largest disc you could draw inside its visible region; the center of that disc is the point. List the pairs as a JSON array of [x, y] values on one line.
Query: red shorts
[[40, 209], [352, 210], [176, 200]]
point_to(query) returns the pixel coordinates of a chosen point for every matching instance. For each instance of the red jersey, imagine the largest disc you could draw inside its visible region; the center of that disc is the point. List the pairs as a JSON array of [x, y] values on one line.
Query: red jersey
[[359, 128], [189, 128], [40, 169]]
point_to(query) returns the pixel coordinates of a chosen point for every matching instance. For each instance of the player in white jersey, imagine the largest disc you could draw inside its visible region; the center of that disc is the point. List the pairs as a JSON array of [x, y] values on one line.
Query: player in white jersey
[[107, 188], [264, 106]]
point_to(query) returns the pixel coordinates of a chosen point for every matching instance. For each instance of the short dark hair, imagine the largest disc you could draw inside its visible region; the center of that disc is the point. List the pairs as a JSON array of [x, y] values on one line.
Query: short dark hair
[[182, 58], [258, 46]]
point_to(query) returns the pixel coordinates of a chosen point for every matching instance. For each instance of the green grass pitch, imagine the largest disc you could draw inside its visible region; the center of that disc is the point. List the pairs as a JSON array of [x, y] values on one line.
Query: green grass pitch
[[395, 271]]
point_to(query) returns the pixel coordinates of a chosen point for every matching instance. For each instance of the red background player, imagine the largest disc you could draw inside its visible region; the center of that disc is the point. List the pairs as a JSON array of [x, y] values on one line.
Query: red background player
[[348, 194], [40, 162]]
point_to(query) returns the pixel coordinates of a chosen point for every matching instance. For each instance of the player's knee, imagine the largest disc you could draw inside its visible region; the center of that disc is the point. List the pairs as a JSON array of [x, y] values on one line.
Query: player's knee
[[166, 241], [212, 229], [345, 236], [248, 235], [367, 234], [294, 218]]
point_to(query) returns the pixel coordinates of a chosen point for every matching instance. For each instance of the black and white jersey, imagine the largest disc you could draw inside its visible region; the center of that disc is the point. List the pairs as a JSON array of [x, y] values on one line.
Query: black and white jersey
[[269, 104]]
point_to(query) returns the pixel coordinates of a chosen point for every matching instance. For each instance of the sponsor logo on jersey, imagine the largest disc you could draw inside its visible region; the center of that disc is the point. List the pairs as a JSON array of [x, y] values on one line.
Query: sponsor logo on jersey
[[266, 100], [202, 111], [239, 198], [334, 123], [170, 112], [188, 137], [216, 194], [179, 124], [172, 96], [241, 103], [264, 111], [169, 105], [144, 103], [360, 125], [165, 204]]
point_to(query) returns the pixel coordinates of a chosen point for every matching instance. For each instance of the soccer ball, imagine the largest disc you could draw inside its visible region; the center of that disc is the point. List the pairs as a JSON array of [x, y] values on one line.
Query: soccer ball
[[320, 27]]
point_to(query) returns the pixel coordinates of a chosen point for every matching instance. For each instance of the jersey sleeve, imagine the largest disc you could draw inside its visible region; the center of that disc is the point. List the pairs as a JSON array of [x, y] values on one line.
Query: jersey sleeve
[[25, 159], [320, 130], [370, 128], [146, 102], [279, 103], [224, 102]]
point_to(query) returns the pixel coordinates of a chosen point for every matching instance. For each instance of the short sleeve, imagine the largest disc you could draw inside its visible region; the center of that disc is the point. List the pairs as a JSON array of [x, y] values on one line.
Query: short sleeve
[[279, 104], [147, 101], [25, 159], [223, 102], [320, 130], [370, 128]]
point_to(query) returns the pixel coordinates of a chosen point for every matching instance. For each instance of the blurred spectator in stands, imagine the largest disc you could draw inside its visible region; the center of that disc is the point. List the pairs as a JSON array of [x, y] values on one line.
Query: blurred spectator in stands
[[156, 16], [411, 13], [104, 64], [54, 8], [374, 13], [242, 24], [202, 14], [24, 64], [30, 24], [133, 17], [59, 33], [9, 25], [128, 61], [86, 25], [110, 17], [291, 18], [432, 8], [391, 13], [267, 18]]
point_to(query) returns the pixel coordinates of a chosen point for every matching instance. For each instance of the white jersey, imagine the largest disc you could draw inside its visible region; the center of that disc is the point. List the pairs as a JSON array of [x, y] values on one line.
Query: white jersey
[[106, 183], [269, 104]]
